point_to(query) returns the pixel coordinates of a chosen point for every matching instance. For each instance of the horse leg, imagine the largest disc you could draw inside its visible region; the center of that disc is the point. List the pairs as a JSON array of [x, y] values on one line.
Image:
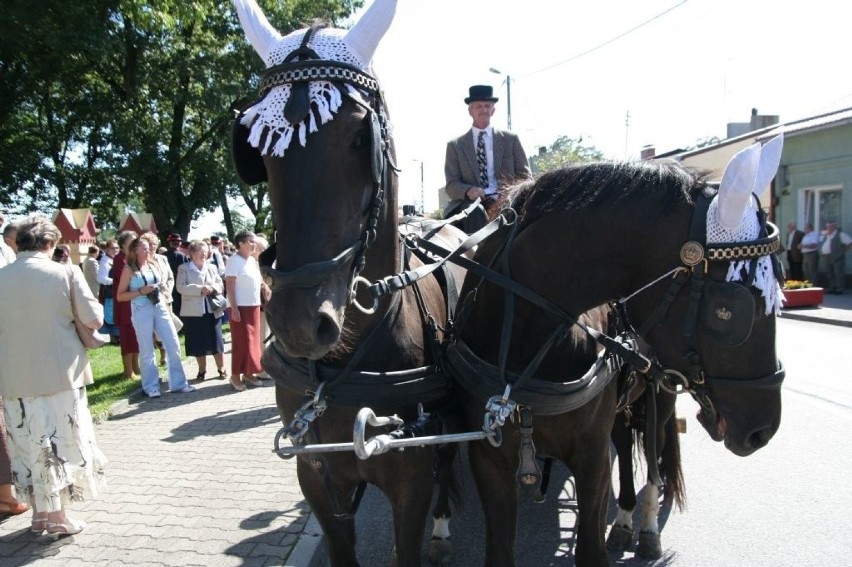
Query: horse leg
[[494, 472], [668, 449], [649, 546], [590, 462], [406, 481], [621, 533], [339, 531], [440, 546]]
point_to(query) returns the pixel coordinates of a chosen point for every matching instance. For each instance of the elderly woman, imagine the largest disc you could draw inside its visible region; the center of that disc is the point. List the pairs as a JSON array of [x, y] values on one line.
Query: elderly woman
[[143, 284], [244, 285], [197, 280], [43, 378]]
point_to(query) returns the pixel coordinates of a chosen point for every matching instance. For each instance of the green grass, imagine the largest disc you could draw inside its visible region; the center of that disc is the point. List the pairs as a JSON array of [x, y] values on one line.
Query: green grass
[[110, 385]]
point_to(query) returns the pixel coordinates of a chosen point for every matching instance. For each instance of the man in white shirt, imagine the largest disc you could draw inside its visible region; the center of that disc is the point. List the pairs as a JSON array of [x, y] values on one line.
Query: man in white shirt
[[834, 245], [810, 256]]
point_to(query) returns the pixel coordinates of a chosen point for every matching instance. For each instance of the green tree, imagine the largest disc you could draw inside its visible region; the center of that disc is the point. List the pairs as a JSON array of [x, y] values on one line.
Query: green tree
[[106, 102], [704, 142], [564, 151]]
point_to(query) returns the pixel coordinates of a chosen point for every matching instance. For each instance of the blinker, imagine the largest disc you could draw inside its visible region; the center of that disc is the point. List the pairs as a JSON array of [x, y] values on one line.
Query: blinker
[[246, 158], [726, 313]]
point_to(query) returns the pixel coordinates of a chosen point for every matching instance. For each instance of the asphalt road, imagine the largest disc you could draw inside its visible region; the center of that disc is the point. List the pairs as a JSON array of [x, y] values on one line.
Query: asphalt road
[[786, 505]]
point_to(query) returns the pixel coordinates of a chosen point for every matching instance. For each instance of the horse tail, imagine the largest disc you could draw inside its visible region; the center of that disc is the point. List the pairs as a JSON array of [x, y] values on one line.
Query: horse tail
[[675, 490], [449, 487]]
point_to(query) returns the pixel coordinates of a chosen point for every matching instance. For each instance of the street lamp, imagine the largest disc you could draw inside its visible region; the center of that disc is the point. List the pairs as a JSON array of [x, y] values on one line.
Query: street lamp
[[422, 189], [508, 95]]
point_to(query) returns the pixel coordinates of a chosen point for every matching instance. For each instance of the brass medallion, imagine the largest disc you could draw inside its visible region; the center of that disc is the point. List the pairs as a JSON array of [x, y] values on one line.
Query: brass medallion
[[691, 253]]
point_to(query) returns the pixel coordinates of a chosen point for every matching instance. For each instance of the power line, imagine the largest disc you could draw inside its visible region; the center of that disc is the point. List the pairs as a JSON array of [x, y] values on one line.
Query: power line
[[607, 42]]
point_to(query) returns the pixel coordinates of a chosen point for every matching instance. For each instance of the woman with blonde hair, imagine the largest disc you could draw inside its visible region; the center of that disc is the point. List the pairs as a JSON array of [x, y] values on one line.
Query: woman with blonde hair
[[168, 280], [54, 456], [197, 280], [142, 283]]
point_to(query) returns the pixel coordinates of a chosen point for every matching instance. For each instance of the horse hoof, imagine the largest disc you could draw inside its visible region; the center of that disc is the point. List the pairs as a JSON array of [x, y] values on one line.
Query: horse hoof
[[649, 546], [440, 551], [619, 538]]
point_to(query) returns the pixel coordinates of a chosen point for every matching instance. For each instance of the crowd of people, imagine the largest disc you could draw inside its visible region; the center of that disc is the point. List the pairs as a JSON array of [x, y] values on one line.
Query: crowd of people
[[141, 294]]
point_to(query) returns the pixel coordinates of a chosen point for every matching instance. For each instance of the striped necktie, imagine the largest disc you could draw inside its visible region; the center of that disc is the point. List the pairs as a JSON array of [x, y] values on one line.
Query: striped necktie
[[482, 160]]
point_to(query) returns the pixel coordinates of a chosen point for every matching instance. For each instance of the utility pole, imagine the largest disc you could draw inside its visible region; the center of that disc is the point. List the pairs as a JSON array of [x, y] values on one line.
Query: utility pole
[[422, 189], [508, 96]]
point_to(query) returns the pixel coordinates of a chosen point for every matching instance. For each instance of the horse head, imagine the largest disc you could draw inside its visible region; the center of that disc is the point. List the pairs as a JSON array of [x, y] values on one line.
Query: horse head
[[694, 267], [319, 135], [724, 347]]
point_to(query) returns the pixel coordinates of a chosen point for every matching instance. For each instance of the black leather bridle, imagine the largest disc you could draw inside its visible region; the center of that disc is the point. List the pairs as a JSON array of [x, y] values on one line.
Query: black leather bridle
[[298, 69], [695, 256]]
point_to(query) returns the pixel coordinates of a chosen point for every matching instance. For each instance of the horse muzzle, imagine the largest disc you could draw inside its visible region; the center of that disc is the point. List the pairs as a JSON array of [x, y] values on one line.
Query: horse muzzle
[[302, 329]]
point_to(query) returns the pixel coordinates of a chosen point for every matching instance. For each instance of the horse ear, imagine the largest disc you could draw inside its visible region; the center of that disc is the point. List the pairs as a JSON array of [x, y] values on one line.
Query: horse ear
[[257, 28], [364, 36], [770, 158], [737, 185]]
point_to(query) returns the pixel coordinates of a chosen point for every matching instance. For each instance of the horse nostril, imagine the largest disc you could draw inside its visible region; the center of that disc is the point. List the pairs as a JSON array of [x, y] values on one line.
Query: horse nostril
[[760, 438], [328, 331]]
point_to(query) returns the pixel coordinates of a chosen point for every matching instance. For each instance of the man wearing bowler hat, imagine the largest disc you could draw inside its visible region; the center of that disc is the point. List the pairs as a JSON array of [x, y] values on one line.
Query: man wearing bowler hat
[[482, 161]]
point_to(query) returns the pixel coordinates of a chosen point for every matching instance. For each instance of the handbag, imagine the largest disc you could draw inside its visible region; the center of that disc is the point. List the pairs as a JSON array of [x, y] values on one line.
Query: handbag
[[218, 303], [176, 321], [89, 337]]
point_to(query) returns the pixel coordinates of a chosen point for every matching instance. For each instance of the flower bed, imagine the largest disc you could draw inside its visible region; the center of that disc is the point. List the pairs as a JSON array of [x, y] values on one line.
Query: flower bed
[[803, 297]]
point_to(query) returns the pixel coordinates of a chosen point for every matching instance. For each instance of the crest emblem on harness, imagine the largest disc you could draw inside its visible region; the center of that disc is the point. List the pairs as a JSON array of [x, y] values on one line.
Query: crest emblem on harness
[[723, 314], [691, 253]]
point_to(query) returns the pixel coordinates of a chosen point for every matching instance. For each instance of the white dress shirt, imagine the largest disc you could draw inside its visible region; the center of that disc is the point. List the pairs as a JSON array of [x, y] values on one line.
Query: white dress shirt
[[489, 154]]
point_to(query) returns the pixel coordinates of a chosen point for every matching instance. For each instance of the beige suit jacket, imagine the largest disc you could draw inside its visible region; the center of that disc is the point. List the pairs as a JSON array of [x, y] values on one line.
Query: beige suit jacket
[[39, 348], [189, 283]]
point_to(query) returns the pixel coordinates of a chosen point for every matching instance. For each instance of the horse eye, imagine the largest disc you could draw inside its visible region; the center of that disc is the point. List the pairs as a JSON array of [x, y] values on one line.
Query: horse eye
[[361, 140]]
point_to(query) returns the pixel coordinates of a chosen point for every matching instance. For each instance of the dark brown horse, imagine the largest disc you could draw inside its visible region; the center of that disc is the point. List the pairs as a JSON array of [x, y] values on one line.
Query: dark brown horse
[[320, 136], [697, 277], [631, 424]]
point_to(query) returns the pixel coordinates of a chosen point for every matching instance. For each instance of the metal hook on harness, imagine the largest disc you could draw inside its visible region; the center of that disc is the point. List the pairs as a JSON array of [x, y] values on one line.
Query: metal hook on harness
[[511, 215], [301, 423], [375, 445], [354, 296], [674, 382], [497, 411]]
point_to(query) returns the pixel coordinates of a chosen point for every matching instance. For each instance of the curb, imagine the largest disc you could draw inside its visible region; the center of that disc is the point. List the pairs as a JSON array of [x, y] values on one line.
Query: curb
[[309, 550], [815, 319]]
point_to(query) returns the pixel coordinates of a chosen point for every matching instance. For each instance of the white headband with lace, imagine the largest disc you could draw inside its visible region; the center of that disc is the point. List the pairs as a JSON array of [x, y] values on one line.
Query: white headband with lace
[[356, 46]]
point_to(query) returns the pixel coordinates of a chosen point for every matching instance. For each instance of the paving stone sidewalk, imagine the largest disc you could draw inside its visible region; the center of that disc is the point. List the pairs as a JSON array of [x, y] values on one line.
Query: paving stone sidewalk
[[192, 481]]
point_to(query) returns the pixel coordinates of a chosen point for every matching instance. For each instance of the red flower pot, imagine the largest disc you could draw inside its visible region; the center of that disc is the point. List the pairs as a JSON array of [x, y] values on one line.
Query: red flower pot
[[804, 297]]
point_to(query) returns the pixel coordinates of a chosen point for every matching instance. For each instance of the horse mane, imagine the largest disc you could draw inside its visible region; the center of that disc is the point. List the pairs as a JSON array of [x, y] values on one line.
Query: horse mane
[[596, 185]]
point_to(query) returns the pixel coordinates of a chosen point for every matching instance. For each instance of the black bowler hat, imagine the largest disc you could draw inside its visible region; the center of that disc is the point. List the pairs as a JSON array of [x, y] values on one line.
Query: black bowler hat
[[481, 92]]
